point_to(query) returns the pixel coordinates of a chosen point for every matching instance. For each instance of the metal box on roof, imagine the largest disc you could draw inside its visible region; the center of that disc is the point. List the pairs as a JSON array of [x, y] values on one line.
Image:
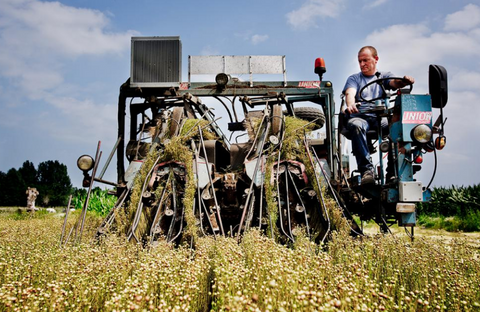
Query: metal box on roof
[[156, 62]]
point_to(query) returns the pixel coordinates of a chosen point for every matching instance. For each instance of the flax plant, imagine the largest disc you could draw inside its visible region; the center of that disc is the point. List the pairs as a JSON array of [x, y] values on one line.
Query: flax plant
[[378, 273]]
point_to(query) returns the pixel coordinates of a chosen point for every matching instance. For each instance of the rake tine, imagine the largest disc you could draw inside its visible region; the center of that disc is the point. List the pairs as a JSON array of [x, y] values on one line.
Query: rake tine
[[301, 202], [217, 207], [98, 155]]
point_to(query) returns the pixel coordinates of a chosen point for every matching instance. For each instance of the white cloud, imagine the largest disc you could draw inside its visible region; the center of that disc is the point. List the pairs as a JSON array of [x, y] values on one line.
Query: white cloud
[[76, 114], [52, 26], [410, 49], [305, 16], [39, 37], [256, 39], [38, 42], [465, 80], [374, 4], [466, 19]]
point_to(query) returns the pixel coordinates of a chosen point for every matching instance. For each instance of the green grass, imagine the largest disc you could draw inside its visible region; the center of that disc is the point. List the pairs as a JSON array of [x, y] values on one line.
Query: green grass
[[379, 273], [468, 223]]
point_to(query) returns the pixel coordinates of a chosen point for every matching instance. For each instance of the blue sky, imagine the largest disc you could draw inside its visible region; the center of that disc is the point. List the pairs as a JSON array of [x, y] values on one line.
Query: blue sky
[[62, 63]]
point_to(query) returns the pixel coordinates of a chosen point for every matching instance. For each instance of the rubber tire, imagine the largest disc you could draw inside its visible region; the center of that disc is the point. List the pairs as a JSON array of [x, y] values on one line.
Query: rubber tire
[[310, 114]]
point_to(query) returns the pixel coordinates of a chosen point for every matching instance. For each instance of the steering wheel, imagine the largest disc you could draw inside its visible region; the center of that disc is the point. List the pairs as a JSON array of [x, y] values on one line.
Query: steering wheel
[[380, 82]]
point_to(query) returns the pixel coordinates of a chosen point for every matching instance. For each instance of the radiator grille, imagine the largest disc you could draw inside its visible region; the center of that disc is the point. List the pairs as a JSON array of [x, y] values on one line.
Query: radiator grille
[[156, 62]]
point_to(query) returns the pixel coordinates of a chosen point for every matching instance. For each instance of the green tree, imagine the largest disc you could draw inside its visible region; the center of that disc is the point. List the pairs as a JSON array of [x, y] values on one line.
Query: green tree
[[54, 183], [29, 174], [3, 183], [14, 189]]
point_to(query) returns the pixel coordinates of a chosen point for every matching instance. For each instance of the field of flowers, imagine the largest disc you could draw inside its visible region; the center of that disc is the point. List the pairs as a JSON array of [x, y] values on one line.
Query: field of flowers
[[377, 273]]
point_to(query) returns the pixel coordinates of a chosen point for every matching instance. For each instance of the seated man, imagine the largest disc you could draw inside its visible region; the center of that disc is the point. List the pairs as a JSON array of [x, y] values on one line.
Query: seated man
[[359, 121]]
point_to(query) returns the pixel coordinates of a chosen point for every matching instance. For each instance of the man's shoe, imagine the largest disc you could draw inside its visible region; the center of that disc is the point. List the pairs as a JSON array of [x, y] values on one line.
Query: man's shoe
[[367, 177]]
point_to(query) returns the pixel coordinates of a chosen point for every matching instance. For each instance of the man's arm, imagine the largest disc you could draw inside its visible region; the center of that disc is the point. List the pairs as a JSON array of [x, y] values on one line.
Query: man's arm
[[401, 83], [350, 100]]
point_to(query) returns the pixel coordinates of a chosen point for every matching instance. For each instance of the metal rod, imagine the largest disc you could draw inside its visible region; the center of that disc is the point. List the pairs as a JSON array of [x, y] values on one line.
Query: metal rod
[[322, 200], [106, 182], [109, 159], [140, 202], [334, 194], [288, 201], [301, 202], [279, 203], [259, 160], [98, 155], [181, 219], [174, 204], [157, 212], [200, 201], [217, 207]]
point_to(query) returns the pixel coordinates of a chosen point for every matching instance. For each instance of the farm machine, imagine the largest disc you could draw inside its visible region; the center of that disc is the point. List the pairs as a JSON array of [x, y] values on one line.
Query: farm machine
[[280, 169]]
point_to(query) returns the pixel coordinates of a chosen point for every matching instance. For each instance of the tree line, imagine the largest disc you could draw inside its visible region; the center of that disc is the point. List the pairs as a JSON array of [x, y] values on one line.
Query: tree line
[[50, 179]]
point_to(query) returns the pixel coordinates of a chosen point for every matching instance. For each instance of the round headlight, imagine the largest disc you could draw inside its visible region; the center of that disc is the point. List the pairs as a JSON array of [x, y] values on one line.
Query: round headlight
[[421, 134], [222, 79], [85, 162]]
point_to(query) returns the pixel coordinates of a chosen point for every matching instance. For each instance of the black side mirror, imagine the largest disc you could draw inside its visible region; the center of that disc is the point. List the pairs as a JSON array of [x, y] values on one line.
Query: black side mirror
[[437, 85]]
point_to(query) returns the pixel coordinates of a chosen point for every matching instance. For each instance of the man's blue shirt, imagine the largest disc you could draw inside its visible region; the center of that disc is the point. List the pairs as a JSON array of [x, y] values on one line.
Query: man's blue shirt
[[358, 81]]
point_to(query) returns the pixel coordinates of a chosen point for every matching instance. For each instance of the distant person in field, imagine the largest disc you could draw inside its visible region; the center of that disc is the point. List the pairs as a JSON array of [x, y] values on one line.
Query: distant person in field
[[32, 194]]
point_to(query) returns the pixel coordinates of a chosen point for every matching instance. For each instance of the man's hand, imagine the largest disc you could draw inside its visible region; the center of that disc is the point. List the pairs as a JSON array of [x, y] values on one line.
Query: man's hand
[[352, 109], [350, 101], [401, 83], [408, 80]]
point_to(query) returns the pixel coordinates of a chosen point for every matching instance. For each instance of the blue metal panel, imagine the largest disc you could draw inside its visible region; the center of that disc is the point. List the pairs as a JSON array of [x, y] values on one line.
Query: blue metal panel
[[427, 196], [392, 195], [415, 110], [407, 219]]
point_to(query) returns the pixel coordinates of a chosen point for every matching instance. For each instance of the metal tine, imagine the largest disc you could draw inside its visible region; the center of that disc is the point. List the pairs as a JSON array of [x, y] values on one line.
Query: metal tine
[[175, 216], [301, 201], [199, 215], [333, 192], [138, 212], [217, 207], [157, 218], [111, 215], [174, 204], [136, 220], [277, 174], [259, 160], [280, 205], [322, 200], [207, 214], [256, 136], [200, 200], [109, 159], [260, 210], [287, 201], [119, 204], [68, 236], [249, 218], [98, 155]]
